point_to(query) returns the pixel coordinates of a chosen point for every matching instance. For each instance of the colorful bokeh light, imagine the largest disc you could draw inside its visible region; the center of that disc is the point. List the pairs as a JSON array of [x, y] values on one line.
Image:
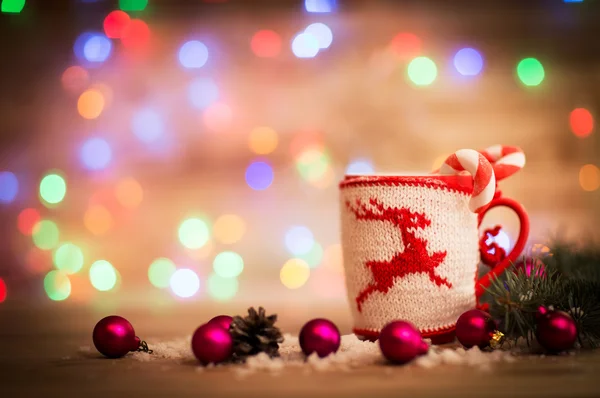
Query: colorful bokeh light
[[45, 235], [53, 189], [422, 71], [228, 264], [129, 193], [581, 122], [320, 6], [468, 62], [75, 79], [312, 164], [12, 7], [147, 124], [98, 220], [266, 44], [97, 48], [96, 154], [229, 228], [203, 92], [57, 285], [133, 5], [90, 104], [27, 219], [115, 24], [193, 54], [68, 258], [305, 45], [314, 256], [193, 233], [406, 45], [322, 33], [9, 186], [299, 240], [3, 290], [262, 140], [259, 176], [359, 167], [185, 283], [530, 72], [589, 177], [160, 272], [136, 35], [222, 289], [103, 275], [294, 273]]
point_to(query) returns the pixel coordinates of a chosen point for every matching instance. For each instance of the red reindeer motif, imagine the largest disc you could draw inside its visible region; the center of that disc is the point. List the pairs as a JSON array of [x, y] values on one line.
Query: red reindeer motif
[[413, 260]]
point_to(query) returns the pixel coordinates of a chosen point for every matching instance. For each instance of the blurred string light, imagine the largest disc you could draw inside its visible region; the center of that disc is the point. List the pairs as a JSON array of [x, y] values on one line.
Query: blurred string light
[[68, 258], [222, 289], [103, 275], [305, 140], [107, 93], [98, 220], [294, 273], [422, 71], [406, 45], [53, 189], [12, 6], [185, 283], [133, 5], [581, 122], [229, 228], [322, 33], [193, 54], [314, 256], [266, 44], [3, 290], [228, 264], [160, 272], [530, 71], [57, 285], [90, 104], [193, 233], [589, 177], [262, 140], [97, 48], [312, 164], [115, 24], [135, 35], [468, 62], [75, 79], [147, 125], [217, 117], [203, 92], [129, 193], [45, 235], [9, 186], [299, 240], [320, 6], [27, 219], [305, 45], [360, 166], [96, 153], [259, 176]]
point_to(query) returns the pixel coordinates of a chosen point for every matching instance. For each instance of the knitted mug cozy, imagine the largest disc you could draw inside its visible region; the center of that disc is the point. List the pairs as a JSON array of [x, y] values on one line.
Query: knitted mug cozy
[[411, 245]]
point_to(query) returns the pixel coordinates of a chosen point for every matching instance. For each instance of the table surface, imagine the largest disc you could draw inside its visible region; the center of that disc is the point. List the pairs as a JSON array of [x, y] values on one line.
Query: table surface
[[39, 358]]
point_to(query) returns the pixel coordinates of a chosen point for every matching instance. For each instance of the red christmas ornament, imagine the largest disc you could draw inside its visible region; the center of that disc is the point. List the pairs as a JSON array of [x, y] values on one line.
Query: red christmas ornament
[[222, 320], [114, 337], [530, 265], [401, 342], [211, 343], [320, 336], [556, 331], [475, 328]]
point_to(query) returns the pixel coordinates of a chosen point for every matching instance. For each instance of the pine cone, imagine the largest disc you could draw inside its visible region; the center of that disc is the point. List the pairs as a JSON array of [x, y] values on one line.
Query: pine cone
[[254, 334]]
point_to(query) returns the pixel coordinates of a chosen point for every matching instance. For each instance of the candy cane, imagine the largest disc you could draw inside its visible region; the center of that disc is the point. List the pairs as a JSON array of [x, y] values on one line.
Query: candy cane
[[507, 160], [484, 181]]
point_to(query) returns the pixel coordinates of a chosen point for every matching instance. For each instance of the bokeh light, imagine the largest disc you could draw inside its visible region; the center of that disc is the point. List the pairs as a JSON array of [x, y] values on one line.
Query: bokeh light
[[299, 240], [98, 220], [312, 164], [96, 153], [193, 54], [468, 62], [229, 228], [57, 285], [12, 7], [160, 272], [27, 219], [45, 235], [75, 79], [217, 117], [320, 6], [228, 264], [294, 273], [581, 122], [90, 104], [422, 71], [3, 290], [305, 45], [193, 233], [129, 193], [321, 32], [103, 275], [589, 177], [262, 140], [406, 45], [68, 258], [115, 24], [203, 92], [147, 125], [97, 48], [133, 5], [222, 289], [9, 186], [135, 35], [360, 166], [306, 140], [314, 256], [266, 44], [185, 283], [53, 189], [259, 176], [530, 72]]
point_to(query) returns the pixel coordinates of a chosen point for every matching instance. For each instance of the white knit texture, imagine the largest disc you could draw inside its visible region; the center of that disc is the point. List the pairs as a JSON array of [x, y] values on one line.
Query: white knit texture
[[414, 297]]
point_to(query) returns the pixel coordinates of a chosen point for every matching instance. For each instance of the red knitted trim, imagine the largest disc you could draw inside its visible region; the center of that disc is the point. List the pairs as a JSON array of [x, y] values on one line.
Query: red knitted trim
[[437, 336], [453, 183]]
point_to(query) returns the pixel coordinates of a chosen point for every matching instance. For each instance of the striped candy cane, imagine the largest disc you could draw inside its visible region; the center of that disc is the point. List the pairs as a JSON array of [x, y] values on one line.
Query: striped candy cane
[[484, 180], [507, 160]]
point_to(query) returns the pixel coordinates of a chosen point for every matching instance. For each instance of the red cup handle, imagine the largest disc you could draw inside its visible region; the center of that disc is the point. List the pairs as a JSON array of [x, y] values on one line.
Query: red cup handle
[[486, 280]]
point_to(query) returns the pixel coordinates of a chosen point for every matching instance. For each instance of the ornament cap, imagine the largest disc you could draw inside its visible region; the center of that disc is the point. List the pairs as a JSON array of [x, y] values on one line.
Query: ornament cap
[[497, 339]]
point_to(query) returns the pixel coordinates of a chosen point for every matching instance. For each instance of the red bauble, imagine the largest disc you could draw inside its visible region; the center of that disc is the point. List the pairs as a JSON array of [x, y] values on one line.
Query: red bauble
[[222, 320], [556, 330], [401, 342], [530, 265], [320, 336], [114, 336], [475, 328], [211, 343]]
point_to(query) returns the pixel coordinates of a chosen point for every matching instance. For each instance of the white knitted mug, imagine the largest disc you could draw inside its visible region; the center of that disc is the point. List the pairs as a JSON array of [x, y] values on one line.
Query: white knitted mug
[[411, 250]]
